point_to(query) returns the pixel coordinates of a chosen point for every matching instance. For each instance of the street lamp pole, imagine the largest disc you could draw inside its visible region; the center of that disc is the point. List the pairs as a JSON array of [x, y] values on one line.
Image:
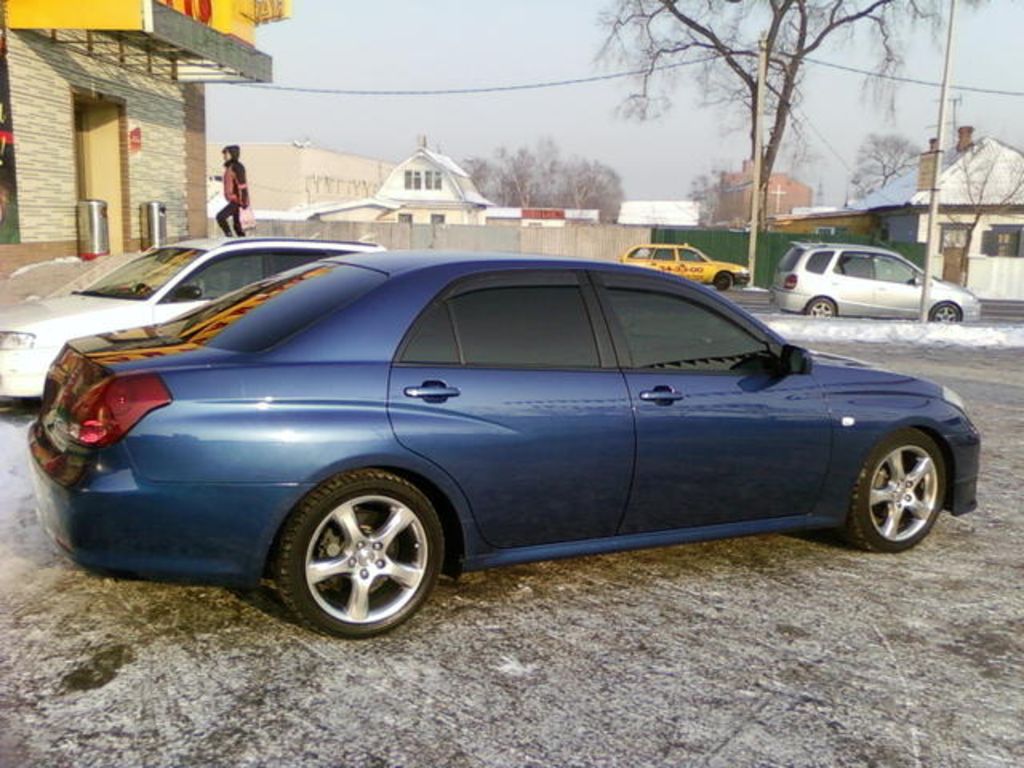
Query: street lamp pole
[[933, 201], [755, 178]]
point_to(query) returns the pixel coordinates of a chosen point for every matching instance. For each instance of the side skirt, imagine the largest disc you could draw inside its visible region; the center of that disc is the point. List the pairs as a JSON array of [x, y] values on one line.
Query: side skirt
[[499, 557]]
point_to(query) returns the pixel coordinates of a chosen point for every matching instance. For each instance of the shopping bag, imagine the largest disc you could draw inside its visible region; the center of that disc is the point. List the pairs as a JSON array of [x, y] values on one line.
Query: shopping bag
[[247, 218]]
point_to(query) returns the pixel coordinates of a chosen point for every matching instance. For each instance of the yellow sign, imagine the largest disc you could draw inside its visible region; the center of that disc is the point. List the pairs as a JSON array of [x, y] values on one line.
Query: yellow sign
[[266, 11], [57, 14], [236, 18]]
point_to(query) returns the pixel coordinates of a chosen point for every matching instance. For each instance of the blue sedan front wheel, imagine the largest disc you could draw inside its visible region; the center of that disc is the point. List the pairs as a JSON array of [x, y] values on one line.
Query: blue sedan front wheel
[[359, 555], [899, 493]]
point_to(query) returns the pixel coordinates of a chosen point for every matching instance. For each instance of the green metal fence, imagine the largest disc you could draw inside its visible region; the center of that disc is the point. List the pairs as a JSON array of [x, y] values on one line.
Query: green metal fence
[[731, 246]]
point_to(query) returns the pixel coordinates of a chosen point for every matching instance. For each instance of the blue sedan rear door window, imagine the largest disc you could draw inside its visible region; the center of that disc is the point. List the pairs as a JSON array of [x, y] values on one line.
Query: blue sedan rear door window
[[433, 339], [525, 326], [528, 326]]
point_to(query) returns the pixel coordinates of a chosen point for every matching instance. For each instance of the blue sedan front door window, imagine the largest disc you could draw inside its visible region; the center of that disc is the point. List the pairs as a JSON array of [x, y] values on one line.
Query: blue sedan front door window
[[516, 407], [721, 438]]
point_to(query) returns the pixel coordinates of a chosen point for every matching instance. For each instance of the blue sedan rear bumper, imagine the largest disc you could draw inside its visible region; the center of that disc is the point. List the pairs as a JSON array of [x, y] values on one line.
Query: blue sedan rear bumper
[[112, 521]]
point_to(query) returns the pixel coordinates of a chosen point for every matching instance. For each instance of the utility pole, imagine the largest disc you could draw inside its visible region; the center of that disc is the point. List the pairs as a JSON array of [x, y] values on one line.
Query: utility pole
[[933, 201], [758, 159]]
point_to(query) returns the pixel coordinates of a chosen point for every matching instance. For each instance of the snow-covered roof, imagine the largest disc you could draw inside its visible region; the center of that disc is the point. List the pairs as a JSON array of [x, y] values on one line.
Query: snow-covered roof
[[989, 172], [323, 209], [459, 181], [443, 160], [678, 213]]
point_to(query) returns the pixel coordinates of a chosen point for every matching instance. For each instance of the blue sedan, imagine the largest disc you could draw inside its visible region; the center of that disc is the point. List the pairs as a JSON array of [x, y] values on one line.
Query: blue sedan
[[354, 428]]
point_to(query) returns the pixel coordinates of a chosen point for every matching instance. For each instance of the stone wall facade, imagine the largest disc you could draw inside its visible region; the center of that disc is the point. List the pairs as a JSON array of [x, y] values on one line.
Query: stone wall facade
[[47, 74]]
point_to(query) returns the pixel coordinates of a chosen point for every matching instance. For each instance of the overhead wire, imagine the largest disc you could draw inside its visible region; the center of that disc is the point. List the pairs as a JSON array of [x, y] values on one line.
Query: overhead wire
[[606, 77], [477, 90]]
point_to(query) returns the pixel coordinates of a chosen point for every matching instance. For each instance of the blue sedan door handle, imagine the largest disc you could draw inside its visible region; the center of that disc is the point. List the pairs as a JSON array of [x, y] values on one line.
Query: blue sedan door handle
[[662, 395], [432, 391]]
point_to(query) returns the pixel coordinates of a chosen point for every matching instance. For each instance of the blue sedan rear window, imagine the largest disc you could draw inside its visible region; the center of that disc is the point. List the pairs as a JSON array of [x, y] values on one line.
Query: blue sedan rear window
[[258, 316]]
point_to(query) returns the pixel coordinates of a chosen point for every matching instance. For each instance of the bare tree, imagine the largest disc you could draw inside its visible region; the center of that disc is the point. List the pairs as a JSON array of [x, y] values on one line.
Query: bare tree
[[706, 189], [538, 178], [989, 181], [882, 158], [721, 40]]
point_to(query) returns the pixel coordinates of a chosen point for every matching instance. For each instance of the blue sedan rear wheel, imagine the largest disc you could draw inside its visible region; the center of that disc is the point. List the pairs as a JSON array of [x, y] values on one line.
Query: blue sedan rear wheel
[[898, 495], [359, 555]]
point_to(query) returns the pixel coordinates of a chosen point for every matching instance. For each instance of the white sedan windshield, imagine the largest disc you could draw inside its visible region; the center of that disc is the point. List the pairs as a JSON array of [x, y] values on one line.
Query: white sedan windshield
[[141, 278]]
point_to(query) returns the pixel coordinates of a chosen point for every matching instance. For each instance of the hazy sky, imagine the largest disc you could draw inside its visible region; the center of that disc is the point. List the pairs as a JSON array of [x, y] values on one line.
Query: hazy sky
[[415, 44]]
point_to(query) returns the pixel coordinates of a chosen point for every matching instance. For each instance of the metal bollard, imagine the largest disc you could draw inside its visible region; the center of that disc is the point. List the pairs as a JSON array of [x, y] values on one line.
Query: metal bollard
[[93, 229]]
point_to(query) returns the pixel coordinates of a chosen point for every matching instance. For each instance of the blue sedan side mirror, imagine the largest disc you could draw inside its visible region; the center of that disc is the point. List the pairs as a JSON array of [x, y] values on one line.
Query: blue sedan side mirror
[[795, 360]]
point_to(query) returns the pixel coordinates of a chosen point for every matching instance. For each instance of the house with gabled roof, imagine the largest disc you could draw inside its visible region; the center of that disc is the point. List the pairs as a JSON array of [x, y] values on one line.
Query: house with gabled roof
[[426, 188], [981, 214]]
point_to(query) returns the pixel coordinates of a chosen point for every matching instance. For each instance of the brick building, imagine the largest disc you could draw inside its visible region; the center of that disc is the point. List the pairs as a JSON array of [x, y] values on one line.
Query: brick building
[[784, 193], [104, 100]]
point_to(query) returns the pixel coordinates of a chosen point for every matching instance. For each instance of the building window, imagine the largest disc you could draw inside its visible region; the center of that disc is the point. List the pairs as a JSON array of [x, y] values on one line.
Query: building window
[[437, 218], [432, 180], [413, 180], [405, 218], [954, 236], [1001, 241]]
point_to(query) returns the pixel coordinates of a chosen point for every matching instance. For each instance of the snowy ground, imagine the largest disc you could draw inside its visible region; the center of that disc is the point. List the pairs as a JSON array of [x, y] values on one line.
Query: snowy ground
[[801, 330], [768, 651]]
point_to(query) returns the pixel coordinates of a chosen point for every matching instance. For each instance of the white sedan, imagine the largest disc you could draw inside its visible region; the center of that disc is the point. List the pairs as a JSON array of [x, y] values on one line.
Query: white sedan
[[158, 286]]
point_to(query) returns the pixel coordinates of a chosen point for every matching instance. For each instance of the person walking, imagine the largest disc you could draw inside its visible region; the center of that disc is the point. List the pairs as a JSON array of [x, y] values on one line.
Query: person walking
[[236, 192]]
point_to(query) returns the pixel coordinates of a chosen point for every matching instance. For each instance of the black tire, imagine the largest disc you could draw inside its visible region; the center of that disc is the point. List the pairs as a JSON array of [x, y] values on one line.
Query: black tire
[[897, 515], [946, 312], [369, 581], [821, 306], [723, 281]]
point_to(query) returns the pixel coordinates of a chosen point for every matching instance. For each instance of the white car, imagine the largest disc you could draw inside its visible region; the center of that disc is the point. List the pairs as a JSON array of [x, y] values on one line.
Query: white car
[[829, 279], [158, 286]]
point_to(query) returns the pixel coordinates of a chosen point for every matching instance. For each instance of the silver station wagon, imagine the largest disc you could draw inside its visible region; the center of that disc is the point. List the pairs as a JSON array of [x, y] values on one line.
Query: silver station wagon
[[829, 279]]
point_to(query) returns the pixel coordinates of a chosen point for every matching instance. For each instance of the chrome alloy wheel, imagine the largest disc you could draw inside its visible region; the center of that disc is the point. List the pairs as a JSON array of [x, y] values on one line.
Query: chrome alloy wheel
[[366, 559], [821, 308], [904, 493], [946, 313]]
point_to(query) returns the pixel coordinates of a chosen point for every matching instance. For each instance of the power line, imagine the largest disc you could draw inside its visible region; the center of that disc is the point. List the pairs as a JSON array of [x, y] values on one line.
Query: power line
[[911, 80], [601, 78], [482, 89]]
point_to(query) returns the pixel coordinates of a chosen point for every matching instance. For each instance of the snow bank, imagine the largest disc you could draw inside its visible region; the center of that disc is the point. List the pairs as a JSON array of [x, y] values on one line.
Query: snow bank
[[804, 329], [51, 262]]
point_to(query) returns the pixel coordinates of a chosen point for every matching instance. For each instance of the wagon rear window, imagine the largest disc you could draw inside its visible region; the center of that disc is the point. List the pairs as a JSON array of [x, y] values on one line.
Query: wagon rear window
[[788, 262]]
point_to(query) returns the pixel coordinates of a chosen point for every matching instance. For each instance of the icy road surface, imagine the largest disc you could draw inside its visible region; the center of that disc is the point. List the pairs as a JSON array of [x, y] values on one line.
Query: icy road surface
[[767, 651]]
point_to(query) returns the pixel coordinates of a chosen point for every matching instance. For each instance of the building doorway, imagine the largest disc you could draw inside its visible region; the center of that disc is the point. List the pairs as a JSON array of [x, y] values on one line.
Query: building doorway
[[953, 245], [99, 160]]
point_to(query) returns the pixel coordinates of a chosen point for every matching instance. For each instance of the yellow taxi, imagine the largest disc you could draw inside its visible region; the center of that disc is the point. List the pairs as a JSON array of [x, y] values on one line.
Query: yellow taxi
[[689, 262]]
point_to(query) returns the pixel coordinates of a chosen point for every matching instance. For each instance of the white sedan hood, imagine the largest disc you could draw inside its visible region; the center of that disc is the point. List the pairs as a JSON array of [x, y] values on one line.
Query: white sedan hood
[[54, 321]]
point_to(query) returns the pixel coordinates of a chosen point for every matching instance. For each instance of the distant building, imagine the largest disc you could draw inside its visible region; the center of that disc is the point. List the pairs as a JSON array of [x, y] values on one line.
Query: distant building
[[287, 180], [660, 213], [425, 188], [981, 218], [784, 193], [541, 217], [981, 215], [103, 102]]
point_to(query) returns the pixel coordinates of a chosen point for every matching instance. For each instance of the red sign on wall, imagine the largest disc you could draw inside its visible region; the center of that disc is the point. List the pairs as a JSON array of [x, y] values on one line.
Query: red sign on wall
[[134, 140], [543, 213]]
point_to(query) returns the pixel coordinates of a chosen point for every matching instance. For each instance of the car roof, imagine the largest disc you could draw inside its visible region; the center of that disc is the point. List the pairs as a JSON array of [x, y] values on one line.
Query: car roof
[[398, 262], [210, 243], [848, 247]]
